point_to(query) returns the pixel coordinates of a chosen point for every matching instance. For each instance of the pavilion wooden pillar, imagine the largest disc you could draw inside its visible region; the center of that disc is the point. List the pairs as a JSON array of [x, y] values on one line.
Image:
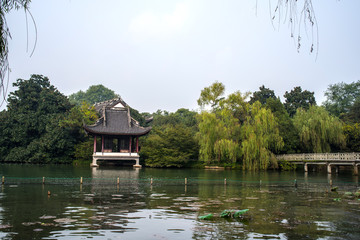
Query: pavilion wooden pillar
[[137, 144], [130, 141], [94, 143], [102, 143]]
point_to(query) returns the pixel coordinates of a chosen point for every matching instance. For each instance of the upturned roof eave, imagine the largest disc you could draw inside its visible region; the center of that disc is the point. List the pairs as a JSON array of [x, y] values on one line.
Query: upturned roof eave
[[93, 131]]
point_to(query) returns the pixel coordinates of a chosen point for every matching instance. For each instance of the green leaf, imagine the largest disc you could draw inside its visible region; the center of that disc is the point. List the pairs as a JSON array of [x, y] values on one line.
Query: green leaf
[[240, 212], [233, 213], [206, 217]]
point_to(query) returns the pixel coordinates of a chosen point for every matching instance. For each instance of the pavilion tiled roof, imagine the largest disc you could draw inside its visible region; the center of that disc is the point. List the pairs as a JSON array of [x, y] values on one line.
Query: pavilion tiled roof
[[115, 120]]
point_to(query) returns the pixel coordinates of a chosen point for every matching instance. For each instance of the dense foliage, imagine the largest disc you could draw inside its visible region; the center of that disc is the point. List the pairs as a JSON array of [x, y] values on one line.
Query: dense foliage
[[40, 125], [171, 143], [235, 132], [169, 146], [94, 94], [341, 97], [30, 128], [261, 134], [286, 127], [319, 132], [262, 95], [297, 98]]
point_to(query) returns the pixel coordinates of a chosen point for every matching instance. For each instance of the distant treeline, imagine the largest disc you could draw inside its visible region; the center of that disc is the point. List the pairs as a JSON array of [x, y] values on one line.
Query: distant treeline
[[241, 130]]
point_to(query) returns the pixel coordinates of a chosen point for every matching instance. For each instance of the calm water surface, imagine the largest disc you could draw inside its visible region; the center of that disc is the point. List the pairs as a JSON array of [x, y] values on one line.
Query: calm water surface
[[169, 209]]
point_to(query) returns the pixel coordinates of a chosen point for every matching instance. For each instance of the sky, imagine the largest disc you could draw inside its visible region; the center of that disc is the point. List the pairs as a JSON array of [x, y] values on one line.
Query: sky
[[161, 54]]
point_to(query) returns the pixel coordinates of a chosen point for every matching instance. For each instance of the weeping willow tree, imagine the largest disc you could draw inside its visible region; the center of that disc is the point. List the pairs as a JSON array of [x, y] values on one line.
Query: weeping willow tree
[[260, 133], [219, 128], [226, 149], [318, 130], [209, 133], [234, 130], [217, 137]]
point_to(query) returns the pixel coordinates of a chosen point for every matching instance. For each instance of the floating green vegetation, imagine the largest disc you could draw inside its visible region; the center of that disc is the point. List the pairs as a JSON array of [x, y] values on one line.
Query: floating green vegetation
[[226, 214], [337, 199], [233, 213], [206, 217]]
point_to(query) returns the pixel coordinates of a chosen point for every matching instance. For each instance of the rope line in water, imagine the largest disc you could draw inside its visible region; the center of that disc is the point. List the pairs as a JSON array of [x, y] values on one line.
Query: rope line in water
[[183, 181]]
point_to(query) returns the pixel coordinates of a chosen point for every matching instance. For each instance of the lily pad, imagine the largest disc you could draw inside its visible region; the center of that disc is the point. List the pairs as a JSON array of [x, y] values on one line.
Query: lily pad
[[206, 217], [233, 213]]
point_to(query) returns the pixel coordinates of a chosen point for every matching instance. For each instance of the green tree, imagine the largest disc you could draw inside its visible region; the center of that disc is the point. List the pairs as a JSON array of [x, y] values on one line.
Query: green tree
[[237, 104], [341, 96], [218, 137], [219, 130], [169, 146], [297, 98], [286, 126], [354, 113], [94, 94], [352, 134], [263, 95], [32, 123], [237, 132], [181, 116], [319, 132], [211, 95], [260, 134], [73, 122], [171, 143]]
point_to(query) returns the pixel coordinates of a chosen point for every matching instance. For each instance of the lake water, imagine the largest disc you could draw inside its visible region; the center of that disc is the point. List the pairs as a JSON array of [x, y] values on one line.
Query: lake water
[[62, 208]]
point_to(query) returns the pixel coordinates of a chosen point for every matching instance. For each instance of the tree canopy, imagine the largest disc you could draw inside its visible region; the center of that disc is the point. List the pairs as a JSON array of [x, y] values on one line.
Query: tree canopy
[[94, 94], [31, 126], [211, 95], [236, 132], [262, 95], [318, 130], [340, 97], [286, 126], [171, 143], [41, 126], [297, 98]]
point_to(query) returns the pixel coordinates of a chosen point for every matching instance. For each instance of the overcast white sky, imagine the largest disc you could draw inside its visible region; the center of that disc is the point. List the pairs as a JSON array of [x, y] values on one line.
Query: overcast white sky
[[161, 54]]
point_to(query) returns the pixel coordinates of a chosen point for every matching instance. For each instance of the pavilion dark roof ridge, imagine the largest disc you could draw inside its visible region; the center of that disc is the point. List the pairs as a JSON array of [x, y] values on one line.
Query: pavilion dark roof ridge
[[115, 120], [99, 106]]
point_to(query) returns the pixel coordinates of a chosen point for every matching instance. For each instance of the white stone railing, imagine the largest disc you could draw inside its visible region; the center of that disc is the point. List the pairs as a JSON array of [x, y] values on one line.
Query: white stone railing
[[354, 156]]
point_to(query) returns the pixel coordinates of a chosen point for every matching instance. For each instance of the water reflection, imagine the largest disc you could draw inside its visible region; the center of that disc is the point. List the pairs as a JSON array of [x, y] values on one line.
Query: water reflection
[[168, 209]]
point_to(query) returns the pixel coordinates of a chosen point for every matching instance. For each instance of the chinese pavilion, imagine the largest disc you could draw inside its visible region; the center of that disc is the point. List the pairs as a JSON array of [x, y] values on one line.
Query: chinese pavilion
[[118, 131]]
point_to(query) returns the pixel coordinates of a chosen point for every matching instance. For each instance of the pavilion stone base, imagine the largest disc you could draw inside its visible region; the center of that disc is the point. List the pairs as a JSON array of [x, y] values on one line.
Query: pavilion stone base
[[115, 156]]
